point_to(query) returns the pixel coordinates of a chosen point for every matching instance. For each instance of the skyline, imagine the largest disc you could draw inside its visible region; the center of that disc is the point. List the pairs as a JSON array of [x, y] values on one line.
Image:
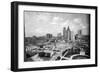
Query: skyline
[[41, 23]]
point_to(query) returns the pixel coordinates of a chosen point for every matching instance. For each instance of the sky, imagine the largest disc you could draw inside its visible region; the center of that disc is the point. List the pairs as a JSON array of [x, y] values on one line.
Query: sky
[[38, 23]]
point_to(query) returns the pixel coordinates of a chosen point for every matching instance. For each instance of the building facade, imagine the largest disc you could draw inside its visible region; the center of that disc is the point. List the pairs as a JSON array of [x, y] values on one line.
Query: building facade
[[67, 34], [64, 33]]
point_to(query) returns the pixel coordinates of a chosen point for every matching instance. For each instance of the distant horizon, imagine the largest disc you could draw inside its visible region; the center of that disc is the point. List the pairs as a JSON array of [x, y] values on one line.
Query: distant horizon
[[55, 35], [41, 23]]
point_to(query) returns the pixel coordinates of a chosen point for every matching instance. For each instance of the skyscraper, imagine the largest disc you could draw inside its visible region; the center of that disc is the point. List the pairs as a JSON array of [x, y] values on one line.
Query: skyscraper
[[64, 33], [68, 32], [49, 36], [72, 36]]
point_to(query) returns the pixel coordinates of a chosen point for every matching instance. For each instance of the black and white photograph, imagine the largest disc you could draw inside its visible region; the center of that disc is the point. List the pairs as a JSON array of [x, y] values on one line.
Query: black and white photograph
[[54, 36]]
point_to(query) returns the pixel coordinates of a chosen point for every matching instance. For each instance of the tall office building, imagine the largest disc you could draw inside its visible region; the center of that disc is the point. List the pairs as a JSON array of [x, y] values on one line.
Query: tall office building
[[72, 36], [68, 32], [64, 33], [49, 36]]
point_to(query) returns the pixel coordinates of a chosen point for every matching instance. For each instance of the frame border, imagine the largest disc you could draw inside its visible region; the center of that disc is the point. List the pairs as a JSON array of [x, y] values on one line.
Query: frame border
[[14, 35]]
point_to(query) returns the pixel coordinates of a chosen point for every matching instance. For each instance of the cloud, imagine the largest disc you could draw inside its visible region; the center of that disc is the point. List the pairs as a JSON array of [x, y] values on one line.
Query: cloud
[[41, 30], [77, 20], [65, 23], [43, 18], [56, 20]]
